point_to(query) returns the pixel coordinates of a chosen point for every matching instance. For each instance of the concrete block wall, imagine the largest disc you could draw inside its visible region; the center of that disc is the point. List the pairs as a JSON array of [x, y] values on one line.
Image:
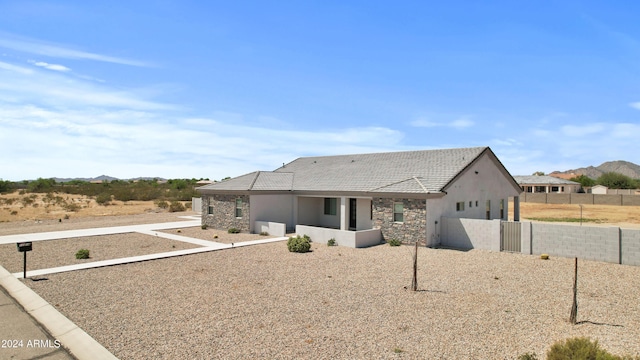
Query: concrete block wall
[[607, 199], [631, 200], [591, 243], [470, 233], [630, 246], [535, 197], [584, 199], [558, 199]]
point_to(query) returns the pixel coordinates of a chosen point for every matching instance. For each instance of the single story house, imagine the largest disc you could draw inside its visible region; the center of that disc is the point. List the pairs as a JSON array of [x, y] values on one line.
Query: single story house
[[360, 200], [547, 184]]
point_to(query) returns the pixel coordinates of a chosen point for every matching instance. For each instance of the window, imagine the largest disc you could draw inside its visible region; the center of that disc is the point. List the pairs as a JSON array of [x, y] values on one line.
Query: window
[[488, 208], [554, 189], [501, 208], [398, 212], [460, 206], [541, 189], [470, 204], [476, 203], [238, 207], [210, 211], [330, 206]]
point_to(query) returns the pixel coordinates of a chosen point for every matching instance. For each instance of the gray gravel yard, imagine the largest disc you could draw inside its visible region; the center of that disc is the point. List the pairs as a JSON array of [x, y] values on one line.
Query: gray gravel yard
[[35, 226], [341, 303], [210, 234], [53, 253]]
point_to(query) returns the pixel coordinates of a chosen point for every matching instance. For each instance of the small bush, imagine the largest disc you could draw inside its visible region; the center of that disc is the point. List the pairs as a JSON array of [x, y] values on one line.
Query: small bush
[[162, 204], [204, 226], [394, 242], [14, 212], [578, 348], [233, 231], [299, 244], [176, 206], [103, 199], [264, 233], [66, 216], [82, 254], [331, 242], [71, 207]]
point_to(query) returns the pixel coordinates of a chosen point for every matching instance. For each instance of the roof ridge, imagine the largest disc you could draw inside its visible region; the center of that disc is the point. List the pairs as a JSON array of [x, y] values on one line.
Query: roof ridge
[[420, 183], [393, 183], [254, 180]]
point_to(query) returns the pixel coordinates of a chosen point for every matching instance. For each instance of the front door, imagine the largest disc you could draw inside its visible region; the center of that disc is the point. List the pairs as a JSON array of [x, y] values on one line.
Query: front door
[[352, 214]]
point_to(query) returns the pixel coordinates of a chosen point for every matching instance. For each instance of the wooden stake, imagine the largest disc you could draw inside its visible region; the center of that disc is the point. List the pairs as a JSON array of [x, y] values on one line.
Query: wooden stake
[[574, 306], [414, 282]]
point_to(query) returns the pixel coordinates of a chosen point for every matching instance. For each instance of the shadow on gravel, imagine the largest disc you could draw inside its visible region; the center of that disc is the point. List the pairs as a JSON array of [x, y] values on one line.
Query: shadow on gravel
[[597, 323]]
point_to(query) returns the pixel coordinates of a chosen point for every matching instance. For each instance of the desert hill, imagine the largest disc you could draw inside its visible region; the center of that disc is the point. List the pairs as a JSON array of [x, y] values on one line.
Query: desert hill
[[623, 167]]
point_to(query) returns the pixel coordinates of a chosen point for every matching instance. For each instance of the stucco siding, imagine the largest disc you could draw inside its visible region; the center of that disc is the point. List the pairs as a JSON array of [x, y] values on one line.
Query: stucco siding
[[272, 208]]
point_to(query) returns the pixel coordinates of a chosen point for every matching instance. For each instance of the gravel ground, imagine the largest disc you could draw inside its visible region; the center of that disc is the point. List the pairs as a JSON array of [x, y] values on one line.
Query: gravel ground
[[221, 236], [35, 226], [53, 253], [341, 303]]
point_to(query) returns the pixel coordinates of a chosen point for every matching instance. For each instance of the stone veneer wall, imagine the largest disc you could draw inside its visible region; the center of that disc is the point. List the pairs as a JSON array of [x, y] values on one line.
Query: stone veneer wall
[[224, 212], [412, 229]]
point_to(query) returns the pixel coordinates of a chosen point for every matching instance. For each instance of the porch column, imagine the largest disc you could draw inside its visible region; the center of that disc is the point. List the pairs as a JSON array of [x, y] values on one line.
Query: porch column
[[343, 213], [516, 208]]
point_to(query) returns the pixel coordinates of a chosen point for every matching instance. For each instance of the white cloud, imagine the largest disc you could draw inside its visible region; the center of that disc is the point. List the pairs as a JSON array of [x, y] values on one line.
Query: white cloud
[[15, 68], [33, 46], [54, 67], [460, 123], [583, 130], [635, 105], [58, 90]]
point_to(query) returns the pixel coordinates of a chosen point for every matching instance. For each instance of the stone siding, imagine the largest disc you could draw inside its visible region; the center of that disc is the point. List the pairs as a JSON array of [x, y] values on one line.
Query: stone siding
[[412, 229], [224, 212]]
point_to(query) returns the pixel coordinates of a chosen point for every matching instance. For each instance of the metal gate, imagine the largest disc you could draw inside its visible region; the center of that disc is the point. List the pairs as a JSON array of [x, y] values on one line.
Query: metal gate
[[510, 233]]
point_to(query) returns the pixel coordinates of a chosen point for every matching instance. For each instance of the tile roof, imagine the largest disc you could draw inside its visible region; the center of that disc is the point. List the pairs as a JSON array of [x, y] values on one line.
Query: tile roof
[[542, 180], [394, 172]]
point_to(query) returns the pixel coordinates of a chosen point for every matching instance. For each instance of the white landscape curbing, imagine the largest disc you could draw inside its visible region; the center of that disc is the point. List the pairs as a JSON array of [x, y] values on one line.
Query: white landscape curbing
[[73, 338]]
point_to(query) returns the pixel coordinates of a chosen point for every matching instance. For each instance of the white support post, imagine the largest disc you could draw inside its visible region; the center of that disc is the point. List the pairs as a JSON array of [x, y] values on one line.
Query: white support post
[[343, 213]]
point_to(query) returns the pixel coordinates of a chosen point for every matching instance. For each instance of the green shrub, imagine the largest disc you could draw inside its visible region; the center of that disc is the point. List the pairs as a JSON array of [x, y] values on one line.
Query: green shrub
[[204, 226], [176, 206], [162, 204], [331, 242], [578, 348], [394, 242], [82, 254], [103, 199], [264, 233], [233, 231], [299, 244]]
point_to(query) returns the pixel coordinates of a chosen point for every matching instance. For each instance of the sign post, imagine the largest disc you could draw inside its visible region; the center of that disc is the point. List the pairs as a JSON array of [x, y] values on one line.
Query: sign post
[[24, 247]]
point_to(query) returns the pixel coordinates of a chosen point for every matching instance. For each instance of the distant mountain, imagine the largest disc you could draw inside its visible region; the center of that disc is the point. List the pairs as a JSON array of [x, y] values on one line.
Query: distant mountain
[[103, 178], [623, 167]]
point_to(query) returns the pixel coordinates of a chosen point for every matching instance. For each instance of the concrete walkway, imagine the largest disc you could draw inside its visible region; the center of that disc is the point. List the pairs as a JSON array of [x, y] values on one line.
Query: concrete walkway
[[62, 337]]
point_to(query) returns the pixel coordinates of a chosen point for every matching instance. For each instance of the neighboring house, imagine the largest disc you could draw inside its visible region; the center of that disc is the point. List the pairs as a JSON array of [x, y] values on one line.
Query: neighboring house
[[546, 184], [362, 199], [598, 189]]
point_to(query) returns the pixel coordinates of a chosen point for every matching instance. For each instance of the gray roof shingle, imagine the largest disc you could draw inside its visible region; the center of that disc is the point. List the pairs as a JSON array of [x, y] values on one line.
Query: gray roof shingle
[[394, 172], [542, 180]]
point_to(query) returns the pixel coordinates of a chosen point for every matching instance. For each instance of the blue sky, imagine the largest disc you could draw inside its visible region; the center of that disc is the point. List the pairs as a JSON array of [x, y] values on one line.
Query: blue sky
[[184, 89]]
